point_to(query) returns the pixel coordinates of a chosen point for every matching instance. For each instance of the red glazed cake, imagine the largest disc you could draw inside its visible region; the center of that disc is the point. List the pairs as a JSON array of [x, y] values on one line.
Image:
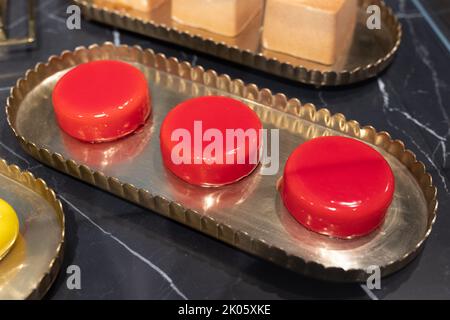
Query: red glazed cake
[[337, 186], [199, 146], [101, 100]]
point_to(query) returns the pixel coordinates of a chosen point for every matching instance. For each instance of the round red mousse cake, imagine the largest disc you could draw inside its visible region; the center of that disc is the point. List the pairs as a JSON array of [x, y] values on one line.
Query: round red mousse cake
[[101, 101], [337, 186], [211, 141]]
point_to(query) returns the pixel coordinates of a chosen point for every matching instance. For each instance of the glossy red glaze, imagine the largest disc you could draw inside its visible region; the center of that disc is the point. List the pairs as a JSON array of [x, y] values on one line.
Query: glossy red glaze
[[337, 186], [101, 100], [200, 167]]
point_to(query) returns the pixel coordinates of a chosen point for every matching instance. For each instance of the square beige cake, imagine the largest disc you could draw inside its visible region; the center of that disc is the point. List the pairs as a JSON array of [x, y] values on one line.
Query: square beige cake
[[316, 30], [140, 5], [225, 17]]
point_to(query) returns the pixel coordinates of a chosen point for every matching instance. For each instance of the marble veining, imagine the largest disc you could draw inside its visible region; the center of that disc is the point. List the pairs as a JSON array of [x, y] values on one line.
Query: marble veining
[[442, 140], [116, 37], [126, 247]]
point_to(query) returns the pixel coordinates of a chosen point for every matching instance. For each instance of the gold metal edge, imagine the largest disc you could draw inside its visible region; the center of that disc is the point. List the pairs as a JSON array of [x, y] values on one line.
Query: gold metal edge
[[191, 218], [40, 187], [247, 57]]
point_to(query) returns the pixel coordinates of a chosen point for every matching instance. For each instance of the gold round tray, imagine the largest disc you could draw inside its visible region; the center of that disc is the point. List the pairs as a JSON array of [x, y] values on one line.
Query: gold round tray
[[32, 264], [370, 52]]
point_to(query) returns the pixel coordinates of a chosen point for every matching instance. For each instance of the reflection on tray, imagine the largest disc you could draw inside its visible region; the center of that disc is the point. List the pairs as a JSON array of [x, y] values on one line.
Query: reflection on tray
[[206, 199], [313, 239], [251, 217], [102, 155], [13, 261]]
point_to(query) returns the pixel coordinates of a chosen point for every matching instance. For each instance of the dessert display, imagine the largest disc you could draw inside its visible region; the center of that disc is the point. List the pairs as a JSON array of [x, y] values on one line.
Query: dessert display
[[321, 29], [318, 42], [140, 5], [337, 186], [225, 17], [101, 100], [9, 228], [343, 186], [211, 140]]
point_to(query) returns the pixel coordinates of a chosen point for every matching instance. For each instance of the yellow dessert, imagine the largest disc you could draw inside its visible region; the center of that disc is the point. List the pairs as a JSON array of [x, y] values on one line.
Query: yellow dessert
[[225, 17], [9, 227], [316, 30]]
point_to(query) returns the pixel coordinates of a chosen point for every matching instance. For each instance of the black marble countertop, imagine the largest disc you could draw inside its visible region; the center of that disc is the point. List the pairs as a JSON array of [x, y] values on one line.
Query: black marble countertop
[[125, 251]]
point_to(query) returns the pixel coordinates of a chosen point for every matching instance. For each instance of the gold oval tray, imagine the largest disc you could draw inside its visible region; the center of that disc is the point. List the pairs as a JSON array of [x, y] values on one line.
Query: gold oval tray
[[370, 53], [247, 215], [31, 266]]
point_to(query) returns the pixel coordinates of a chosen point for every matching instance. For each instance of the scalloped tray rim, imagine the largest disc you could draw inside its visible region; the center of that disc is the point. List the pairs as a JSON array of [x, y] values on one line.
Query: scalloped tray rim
[[39, 186]]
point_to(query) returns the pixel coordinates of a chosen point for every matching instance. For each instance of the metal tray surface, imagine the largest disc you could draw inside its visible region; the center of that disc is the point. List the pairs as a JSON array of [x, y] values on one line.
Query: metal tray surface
[[31, 266], [248, 214]]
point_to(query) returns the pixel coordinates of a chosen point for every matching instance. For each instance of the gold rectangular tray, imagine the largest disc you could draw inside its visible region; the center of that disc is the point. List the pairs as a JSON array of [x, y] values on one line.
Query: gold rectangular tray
[[248, 214], [371, 51]]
